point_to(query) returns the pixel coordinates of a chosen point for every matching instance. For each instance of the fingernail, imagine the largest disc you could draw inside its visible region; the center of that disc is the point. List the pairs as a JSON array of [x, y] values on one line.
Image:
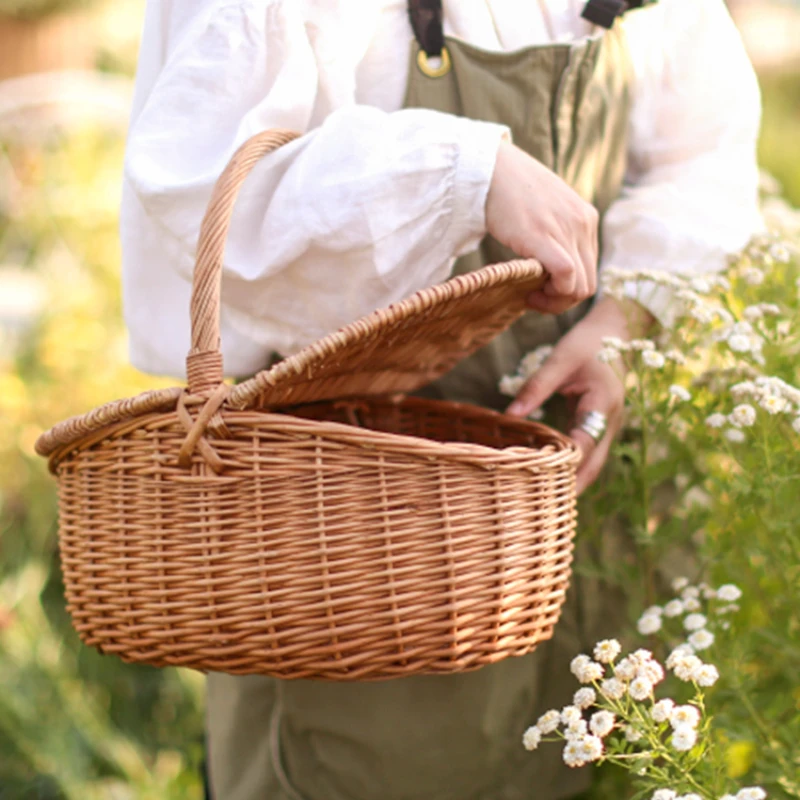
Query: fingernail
[[515, 409]]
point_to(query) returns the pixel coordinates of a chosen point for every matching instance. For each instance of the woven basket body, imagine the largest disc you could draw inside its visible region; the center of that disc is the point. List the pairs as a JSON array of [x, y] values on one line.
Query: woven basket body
[[272, 528]]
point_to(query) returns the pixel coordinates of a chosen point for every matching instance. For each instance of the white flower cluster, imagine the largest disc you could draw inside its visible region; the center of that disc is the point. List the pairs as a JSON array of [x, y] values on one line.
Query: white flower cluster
[[614, 347], [771, 394], [510, 385], [689, 602], [742, 339], [748, 793], [635, 676], [760, 311]]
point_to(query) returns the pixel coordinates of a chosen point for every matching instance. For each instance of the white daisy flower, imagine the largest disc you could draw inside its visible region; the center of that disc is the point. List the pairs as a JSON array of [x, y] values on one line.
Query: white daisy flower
[[632, 735], [685, 715], [751, 793], [549, 721], [570, 714], [700, 285], [510, 385], [648, 623], [709, 593], [653, 359], [653, 671], [584, 697], [701, 314], [573, 756], [753, 276], [706, 675], [591, 672], [680, 393], [742, 328], [743, 416], [716, 420], [641, 656], [773, 404], [591, 748], [702, 639], [640, 688], [602, 723], [740, 343], [612, 688], [753, 313], [673, 609], [691, 604], [661, 710], [684, 738], [607, 650], [735, 435], [614, 342], [607, 355], [642, 345], [675, 356], [729, 592], [578, 664], [780, 253], [678, 654], [531, 738], [693, 622], [685, 668], [664, 794], [743, 389], [679, 584], [533, 361], [576, 730], [625, 670]]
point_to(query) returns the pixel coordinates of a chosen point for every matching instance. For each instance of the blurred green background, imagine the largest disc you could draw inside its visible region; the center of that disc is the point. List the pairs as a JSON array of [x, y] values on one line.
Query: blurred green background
[[74, 724]]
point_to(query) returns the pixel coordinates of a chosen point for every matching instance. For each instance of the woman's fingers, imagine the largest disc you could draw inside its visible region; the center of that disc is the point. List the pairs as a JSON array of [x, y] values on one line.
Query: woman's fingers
[[538, 215]]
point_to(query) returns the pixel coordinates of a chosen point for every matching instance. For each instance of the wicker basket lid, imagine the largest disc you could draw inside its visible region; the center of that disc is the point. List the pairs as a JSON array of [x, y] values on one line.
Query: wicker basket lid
[[392, 350]]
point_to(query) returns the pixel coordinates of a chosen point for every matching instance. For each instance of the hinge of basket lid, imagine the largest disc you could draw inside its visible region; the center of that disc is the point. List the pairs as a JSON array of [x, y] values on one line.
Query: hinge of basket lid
[[208, 417]]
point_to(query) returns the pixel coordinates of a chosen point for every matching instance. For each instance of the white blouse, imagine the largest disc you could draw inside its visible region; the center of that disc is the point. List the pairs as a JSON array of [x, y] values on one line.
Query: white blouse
[[375, 202]]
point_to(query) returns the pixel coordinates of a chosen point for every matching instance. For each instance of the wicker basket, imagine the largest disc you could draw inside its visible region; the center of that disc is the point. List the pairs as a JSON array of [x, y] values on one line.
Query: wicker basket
[[276, 528]]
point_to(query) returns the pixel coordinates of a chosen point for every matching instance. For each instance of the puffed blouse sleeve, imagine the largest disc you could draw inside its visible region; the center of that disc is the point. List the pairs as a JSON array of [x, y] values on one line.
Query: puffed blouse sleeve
[[691, 192], [365, 208]]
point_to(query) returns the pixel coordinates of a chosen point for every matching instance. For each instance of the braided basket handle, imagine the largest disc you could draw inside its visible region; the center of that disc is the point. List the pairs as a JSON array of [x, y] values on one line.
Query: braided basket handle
[[204, 362]]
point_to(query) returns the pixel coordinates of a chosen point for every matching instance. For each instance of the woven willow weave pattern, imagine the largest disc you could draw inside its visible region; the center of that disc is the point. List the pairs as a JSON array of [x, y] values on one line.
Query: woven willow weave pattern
[[346, 539]]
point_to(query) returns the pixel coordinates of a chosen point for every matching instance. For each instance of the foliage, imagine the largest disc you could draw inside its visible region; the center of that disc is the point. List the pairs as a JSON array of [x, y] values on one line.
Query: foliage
[[780, 130], [76, 725], [34, 9], [714, 422]]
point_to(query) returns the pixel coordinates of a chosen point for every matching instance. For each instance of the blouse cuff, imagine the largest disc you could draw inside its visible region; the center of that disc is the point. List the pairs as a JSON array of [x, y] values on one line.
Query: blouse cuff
[[478, 145]]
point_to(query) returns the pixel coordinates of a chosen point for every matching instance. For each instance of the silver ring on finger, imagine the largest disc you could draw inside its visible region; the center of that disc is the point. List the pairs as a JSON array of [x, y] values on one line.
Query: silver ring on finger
[[595, 424]]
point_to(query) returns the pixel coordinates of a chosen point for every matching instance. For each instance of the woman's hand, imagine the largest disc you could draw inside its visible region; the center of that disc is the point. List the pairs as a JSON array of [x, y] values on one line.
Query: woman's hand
[[574, 371], [535, 213]]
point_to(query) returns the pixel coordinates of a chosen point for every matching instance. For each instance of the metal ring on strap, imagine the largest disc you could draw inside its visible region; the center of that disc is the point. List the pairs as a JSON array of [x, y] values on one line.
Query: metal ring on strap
[[427, 68]]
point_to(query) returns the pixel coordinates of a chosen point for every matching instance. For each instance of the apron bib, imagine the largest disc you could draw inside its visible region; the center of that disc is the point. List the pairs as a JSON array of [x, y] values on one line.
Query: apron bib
[[456, 737]]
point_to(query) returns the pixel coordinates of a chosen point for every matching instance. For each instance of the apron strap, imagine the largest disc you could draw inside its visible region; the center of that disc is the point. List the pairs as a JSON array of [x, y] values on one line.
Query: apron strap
[[427, 24], [604, 12]]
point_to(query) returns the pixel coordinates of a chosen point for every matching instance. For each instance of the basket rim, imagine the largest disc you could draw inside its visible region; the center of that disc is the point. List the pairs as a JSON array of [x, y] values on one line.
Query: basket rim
[[283, 384], [559, 451]]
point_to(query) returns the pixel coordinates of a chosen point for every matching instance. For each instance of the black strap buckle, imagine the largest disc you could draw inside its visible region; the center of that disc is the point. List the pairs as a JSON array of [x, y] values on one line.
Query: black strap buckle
[[604, 12], [428, 26]]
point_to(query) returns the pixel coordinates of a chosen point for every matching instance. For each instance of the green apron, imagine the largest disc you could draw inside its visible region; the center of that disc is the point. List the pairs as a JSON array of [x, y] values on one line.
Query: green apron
[[454, 737]]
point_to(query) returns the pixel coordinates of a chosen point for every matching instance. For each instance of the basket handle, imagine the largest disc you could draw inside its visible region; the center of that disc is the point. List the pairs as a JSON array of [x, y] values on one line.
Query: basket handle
[[204, 362]]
